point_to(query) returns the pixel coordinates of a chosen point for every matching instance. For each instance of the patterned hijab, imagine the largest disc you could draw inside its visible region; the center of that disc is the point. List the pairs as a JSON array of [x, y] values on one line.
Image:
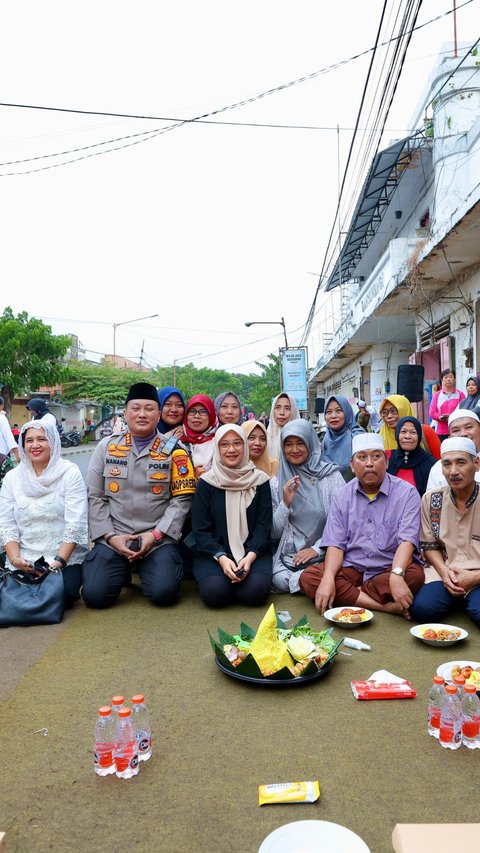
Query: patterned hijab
[[35, 486]]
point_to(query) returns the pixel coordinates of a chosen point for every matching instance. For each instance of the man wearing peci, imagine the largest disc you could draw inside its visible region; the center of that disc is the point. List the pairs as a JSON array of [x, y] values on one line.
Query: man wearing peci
[[139, 492], [371, 537], [450, 537]]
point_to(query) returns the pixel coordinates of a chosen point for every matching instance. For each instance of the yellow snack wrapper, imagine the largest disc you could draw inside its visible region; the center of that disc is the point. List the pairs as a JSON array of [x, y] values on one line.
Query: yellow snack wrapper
[[270, 653], [288, 792]]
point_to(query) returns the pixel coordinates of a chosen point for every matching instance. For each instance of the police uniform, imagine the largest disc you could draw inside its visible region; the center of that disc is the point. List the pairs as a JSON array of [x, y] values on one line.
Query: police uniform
[[132, 491]]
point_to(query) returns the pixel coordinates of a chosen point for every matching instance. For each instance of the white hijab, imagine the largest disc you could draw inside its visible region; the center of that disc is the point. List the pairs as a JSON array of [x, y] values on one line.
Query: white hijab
[[35, 486], [274, 430], [239, 484]]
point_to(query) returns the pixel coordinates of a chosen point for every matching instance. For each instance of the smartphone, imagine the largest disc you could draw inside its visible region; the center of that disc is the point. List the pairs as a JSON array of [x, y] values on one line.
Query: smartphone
[[240, 573], [135, 544]]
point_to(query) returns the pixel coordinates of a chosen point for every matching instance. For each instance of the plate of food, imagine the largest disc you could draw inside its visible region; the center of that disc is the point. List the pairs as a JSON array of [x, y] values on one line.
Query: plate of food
[[351, 616], [273, 654], [438, 634], [470, 669]]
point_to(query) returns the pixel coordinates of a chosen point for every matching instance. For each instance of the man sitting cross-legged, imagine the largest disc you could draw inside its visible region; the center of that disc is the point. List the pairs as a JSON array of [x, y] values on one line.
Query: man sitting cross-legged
[[371, 536], [450, 537]]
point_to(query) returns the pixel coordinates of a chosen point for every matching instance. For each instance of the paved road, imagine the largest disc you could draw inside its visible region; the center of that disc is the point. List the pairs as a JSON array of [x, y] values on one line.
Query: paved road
[[17, 655]]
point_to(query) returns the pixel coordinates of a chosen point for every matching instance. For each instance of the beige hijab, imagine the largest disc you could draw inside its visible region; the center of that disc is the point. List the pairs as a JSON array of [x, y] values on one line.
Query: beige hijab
[[274, 429], [265, 461], [239, 484]]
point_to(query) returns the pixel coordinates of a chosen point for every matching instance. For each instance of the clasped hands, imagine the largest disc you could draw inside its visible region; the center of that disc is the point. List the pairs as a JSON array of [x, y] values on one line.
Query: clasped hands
[[237, 572]]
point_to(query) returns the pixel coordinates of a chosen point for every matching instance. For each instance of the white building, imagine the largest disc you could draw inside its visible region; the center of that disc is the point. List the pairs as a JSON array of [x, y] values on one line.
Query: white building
[[406, 286]]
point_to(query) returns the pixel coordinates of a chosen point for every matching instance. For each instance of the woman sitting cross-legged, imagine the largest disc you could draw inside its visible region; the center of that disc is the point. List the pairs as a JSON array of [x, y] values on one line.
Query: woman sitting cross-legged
[[43, 508], [231, 521], [302, 493]]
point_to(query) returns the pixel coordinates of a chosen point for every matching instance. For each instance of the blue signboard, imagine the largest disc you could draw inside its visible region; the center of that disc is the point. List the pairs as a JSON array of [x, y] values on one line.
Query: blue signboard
[[294, 375]]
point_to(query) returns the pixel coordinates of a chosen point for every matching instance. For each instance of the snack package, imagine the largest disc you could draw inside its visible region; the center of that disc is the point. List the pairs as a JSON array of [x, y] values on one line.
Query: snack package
[[288, 792], [377, 690]]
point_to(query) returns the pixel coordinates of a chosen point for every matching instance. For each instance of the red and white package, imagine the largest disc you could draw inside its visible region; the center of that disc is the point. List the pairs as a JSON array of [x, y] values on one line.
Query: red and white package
[[383, 685]]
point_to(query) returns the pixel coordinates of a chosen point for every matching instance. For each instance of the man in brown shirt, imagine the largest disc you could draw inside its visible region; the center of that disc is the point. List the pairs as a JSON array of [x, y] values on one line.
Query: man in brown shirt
[[450, 537]]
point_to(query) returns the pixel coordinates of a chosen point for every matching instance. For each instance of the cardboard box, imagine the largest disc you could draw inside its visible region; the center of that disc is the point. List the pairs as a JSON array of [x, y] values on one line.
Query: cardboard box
[[435, 837]]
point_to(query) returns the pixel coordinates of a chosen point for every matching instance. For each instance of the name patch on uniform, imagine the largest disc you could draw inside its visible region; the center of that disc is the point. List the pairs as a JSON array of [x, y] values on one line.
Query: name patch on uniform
[[109, 461]]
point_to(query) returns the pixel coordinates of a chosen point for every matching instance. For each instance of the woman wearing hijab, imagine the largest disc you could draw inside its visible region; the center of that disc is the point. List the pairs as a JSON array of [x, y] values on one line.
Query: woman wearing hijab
[[231, 521], [472, 400], [340, 429], [199, 425], [284, 409], [257, 445], [394, 407], [409, 461], [172, 411], [302, 493], [228, 408], [43, 508]]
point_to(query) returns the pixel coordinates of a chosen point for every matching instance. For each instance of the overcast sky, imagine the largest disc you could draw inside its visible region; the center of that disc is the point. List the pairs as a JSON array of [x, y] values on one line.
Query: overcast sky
[[206, 226]]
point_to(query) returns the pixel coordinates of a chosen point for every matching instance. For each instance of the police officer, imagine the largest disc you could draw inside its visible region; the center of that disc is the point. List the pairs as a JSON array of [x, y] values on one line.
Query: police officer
[[139, 493]]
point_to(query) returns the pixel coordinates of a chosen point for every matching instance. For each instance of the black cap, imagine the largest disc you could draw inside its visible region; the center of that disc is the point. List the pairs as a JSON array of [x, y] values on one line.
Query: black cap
[[142, 391]]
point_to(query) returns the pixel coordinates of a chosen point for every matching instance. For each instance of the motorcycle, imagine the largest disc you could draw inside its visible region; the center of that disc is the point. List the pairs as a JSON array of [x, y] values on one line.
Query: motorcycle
[[70, 439]]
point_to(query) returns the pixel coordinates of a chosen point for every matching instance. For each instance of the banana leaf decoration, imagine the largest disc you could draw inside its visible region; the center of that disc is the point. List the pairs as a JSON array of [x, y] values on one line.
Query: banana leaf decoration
[[273, 652]]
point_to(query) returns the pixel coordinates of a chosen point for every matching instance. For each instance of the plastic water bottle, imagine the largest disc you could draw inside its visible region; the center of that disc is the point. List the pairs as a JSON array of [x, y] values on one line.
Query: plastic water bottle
[[459, 681], [103, 762], [434, 702], [470, 717], [117, 703], [450, 736], [141, 722], [126, 750]]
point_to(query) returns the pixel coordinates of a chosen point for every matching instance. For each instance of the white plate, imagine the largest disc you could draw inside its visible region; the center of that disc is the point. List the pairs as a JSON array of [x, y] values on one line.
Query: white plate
[[311, 836], [437, 626], [329, 614], [445, 669]]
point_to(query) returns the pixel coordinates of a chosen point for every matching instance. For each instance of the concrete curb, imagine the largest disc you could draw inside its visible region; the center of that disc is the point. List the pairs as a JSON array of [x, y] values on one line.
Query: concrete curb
[[82, 448]]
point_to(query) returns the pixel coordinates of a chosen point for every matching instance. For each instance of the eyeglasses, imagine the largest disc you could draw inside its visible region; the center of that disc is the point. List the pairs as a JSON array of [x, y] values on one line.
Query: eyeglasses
[[201, 412], [387, 412]]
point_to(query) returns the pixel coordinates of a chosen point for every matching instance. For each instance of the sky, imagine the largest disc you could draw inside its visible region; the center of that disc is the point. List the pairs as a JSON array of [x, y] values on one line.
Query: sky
[[206, 225]]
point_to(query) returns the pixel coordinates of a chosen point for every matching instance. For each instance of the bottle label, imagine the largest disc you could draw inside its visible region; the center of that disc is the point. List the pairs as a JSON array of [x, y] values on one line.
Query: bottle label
[[449, 734], [144, 740], [435, 719], [134, 761], [471, 728]]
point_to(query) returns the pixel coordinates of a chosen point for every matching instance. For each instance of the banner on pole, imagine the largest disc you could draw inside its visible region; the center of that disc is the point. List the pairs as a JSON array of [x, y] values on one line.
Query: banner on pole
[[294, 375]]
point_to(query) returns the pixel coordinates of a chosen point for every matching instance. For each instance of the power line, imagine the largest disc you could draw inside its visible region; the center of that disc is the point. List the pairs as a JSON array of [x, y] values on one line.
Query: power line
[[145, 136]]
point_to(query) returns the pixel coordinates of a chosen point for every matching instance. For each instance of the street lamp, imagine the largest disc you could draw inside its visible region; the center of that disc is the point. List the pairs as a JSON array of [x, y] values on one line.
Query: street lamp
[[270, 323], [124, 323], [175, 360]]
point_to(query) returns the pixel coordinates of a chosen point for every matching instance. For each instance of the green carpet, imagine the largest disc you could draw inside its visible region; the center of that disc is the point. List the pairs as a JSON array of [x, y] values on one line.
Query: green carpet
[[216, 740]]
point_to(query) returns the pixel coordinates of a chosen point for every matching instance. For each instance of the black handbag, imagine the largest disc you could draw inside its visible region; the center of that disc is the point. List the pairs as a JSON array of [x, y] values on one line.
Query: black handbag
[[31, 599]]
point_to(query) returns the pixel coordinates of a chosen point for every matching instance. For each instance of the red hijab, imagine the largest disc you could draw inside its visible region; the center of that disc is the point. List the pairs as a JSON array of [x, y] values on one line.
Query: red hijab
[[201, 437]]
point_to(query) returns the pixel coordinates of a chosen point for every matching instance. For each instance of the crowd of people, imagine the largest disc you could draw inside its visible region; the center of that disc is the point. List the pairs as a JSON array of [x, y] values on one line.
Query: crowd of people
[[249, 507]]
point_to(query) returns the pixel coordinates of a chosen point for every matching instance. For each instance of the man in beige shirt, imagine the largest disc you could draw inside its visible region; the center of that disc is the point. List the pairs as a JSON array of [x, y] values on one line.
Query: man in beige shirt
[[450, 537], [140, 488]]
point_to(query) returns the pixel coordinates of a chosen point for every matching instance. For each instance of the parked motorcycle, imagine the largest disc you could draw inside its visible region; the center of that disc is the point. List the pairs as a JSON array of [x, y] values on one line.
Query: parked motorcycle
[[70, 439]]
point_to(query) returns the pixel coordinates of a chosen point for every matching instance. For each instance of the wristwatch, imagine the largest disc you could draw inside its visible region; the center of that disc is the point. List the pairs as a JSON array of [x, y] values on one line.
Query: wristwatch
[[59, 559], [218, 555], [398, 571]]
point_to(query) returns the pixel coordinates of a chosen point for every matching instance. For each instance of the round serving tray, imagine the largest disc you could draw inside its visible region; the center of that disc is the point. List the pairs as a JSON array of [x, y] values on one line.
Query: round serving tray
[[277, 682]]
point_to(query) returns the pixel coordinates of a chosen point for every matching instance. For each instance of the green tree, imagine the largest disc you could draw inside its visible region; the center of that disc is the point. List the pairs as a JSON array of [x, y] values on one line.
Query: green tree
[[264, 387], [102, 383], [30, 356]]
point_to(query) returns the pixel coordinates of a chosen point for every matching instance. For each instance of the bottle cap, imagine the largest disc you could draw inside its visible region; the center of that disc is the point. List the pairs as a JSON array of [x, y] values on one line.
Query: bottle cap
[[459, 679], [470, 688], [451, 688], [118, 700], [138, 698], [438, 679], [105, 710], [125, 712]]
